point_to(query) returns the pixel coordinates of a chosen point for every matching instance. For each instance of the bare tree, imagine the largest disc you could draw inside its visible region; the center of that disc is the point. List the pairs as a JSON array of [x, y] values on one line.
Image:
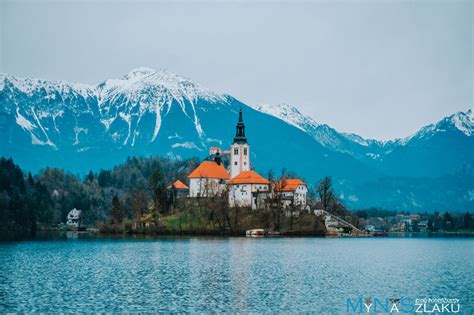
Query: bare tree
[[275, 199], [139, 206], [325, 192]]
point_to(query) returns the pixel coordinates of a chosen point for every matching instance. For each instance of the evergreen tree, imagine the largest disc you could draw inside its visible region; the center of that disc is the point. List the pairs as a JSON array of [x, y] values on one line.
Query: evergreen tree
[[104, 178], [31, 181], [448, 221], [157, 185], [90, 176], [116, 212], [467, 221]]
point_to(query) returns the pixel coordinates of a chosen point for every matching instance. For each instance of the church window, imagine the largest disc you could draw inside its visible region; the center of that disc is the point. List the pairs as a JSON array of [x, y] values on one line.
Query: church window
[[245, 163], [236, 151], [245, 151], [235, 163]]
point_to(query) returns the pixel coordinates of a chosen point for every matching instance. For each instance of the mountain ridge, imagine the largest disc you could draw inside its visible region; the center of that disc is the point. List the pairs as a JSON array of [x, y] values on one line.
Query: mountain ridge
[[176, 85], [147, 112], [464, 122], [380, 153]]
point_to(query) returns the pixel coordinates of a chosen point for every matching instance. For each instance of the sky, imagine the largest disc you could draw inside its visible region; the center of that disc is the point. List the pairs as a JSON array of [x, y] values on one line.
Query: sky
[[381, 69]]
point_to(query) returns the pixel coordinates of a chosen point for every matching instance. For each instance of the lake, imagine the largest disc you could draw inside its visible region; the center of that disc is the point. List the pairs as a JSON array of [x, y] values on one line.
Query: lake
[[197, 274]]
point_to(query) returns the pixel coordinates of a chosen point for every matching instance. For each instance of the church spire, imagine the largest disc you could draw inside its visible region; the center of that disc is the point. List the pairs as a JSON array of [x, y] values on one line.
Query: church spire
[[240, 130]]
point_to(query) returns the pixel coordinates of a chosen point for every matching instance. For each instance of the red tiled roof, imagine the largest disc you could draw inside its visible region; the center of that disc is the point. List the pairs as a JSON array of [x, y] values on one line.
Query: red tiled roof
[[248, 177], [289, 184], [178, 185], [209, 169]]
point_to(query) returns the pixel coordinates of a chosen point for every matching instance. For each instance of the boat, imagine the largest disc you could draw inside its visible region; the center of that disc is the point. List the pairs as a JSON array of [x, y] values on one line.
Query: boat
[[255, 233]]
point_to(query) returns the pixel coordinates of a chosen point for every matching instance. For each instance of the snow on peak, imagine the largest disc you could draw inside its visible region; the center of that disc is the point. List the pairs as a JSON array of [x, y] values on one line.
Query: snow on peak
[[140, 91], [3, 77], [358, 139], [288, 113], [464, 122], [136, 84], [146, 90], [139, 72], [161, 87], [29, 86]]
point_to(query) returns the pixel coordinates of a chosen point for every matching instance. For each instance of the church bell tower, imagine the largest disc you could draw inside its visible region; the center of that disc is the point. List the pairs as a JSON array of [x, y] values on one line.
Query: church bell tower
[[239, 150]]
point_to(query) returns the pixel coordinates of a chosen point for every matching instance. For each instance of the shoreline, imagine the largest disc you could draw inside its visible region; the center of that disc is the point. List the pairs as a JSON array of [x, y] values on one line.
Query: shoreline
[[53, 234], [286, 234]]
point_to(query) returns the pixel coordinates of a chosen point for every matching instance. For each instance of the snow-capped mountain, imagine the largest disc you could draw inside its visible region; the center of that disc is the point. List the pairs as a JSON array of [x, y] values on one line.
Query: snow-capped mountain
[[145, 91], [126, 108], [325, 135], [393, 157], [289, 114], [459, 122], [146, 112]]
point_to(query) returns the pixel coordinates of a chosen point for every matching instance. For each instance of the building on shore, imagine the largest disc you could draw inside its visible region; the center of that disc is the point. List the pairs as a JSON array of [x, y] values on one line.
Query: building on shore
[[74, 218], [244, 186], [208, 179], [293, 193], [248, 189], [177, 190]]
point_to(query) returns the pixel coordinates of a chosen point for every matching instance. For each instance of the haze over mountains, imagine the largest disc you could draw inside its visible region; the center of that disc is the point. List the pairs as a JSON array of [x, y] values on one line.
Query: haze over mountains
[[146, 112]]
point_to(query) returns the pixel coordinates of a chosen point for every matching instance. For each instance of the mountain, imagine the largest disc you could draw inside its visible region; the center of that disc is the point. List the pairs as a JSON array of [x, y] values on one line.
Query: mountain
[[434, 150], [328, 137], [453, 191], [146, 112]]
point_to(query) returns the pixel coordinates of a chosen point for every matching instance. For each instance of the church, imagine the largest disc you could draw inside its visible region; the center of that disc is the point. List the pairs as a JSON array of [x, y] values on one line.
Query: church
[[245, 187]]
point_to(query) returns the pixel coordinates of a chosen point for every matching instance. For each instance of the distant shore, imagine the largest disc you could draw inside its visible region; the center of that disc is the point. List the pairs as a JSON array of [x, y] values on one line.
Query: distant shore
[[199, 233]]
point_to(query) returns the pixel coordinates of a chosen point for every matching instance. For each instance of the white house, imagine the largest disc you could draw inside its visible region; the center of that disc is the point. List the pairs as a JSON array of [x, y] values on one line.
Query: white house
[[293, 192], [74, 218], [208, 179], [248, 189]]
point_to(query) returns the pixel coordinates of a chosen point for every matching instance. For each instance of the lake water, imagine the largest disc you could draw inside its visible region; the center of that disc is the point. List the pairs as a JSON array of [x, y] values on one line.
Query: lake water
[[230, 274]]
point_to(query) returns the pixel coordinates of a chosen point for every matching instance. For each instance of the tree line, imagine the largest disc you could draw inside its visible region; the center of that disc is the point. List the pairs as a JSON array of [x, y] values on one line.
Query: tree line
[[124, 195], [29, 202], [133, 196]]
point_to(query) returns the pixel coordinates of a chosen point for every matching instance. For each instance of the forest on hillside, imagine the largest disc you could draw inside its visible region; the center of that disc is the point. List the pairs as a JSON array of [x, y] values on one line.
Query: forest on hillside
[[28, 202], [132, 198], [117, 198]]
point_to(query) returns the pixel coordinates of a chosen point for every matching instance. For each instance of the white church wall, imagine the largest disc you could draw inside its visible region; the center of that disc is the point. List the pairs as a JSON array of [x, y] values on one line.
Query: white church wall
[[206, 187]]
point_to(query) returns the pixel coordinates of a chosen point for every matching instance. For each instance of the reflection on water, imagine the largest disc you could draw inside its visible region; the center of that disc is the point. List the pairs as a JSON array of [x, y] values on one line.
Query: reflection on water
[[76, 273]]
